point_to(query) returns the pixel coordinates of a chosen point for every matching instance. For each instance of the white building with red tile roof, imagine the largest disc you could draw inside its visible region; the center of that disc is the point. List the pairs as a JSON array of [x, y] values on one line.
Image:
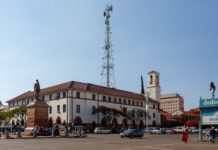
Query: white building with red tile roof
[[72, 100]]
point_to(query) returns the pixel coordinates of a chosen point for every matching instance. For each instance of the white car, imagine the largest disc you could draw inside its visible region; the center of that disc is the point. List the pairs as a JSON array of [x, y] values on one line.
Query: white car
[[194, 130], [169, 131], [104, 130], [156, 130], [179, 129]]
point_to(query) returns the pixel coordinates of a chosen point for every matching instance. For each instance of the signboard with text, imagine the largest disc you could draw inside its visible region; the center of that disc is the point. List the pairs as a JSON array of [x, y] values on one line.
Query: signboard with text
[[209, 116], [209, 102]]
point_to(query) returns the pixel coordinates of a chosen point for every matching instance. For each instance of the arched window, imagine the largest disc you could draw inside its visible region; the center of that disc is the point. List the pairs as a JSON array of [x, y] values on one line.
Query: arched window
[[58, 120], [50, 122], [151, 79], [153, 115], [157, 79], [78, 121]]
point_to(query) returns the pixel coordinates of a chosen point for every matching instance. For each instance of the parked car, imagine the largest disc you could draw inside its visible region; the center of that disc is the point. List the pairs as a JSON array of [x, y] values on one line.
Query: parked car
[[123, 129], [47, 132], [132, 133], [178, 129], [156, 130], [115, 130], [11, 128], [169, 130], [194, 130], [8, 128], [99, 130], [145, 130]]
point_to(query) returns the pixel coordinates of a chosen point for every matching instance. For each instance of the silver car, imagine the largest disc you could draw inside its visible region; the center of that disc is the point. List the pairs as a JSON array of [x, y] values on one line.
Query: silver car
[[103, 130]]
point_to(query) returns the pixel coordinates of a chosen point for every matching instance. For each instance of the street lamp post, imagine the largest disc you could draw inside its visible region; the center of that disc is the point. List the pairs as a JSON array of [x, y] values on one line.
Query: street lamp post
[[146, 109]]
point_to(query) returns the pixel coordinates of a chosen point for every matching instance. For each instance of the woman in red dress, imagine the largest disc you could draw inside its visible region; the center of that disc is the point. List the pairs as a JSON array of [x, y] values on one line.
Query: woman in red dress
[[185, 135]]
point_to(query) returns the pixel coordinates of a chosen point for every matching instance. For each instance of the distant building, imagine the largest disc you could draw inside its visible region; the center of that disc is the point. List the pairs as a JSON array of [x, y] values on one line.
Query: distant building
[[74, 102], [171, 103], [179, 117], [3, 107]]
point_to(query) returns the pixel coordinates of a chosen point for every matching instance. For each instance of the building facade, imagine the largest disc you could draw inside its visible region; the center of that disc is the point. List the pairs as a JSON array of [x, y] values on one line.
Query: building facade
[[171, 103], [74, 102], [3, 108]]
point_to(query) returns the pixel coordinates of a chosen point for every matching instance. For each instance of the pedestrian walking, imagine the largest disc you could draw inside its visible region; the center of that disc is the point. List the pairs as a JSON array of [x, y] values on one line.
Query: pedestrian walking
[[185, 135], [212, 135]]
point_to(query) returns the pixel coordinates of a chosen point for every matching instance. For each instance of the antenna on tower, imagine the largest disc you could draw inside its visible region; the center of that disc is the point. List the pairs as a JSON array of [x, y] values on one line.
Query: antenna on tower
[[107, 73]]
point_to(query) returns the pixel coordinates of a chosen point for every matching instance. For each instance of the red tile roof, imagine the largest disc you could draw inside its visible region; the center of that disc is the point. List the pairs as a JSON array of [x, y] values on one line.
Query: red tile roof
[[191, 114], [167, 115], [195, 110], [82, 87], [113, 91], [27, 94]]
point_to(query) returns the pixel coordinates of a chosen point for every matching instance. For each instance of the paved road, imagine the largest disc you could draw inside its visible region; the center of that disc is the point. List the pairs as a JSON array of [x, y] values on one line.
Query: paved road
[[107, 142]]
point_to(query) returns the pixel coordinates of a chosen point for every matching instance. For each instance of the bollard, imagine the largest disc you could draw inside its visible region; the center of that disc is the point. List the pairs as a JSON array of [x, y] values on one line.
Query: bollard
[[53, 133], [66, 132], [6, 134], [19, 134], [34, 134], [80, 132]]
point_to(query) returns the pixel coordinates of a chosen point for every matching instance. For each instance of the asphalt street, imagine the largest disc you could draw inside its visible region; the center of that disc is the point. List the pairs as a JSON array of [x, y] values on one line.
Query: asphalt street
[[107, 142]]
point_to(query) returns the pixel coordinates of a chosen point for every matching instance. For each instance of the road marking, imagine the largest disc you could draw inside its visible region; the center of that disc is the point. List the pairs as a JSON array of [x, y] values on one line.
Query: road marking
[[168, 144], [158, 148], [149, 147]]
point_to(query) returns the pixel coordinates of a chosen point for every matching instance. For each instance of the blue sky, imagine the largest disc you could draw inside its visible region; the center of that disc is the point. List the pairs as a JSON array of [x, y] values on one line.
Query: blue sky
[[57, 41]]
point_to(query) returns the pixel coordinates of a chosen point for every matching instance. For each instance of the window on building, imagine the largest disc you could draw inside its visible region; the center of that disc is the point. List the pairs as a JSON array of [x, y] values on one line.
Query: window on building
[[43, 98], [77, 108], [57, 95], [104, 98], [93, 110], [137, 103], [124, 101], [120, 100], [64, 94], [154, 106], [124, 109], [77, 94], [93, 97], [157, 79], [115, 99], [129, 102], [50, 96], [141, 103], [153, 115], [64, 108], [58, 108], [50, 109], [151, 79], [133, 103], [109, 99]]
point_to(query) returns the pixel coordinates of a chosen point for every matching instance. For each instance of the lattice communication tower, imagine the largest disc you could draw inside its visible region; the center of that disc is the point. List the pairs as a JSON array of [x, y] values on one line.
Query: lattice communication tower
[[107, 73]]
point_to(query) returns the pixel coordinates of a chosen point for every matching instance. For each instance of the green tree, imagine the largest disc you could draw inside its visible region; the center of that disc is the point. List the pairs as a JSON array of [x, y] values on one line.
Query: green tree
[[6, 117], [18, 113]]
